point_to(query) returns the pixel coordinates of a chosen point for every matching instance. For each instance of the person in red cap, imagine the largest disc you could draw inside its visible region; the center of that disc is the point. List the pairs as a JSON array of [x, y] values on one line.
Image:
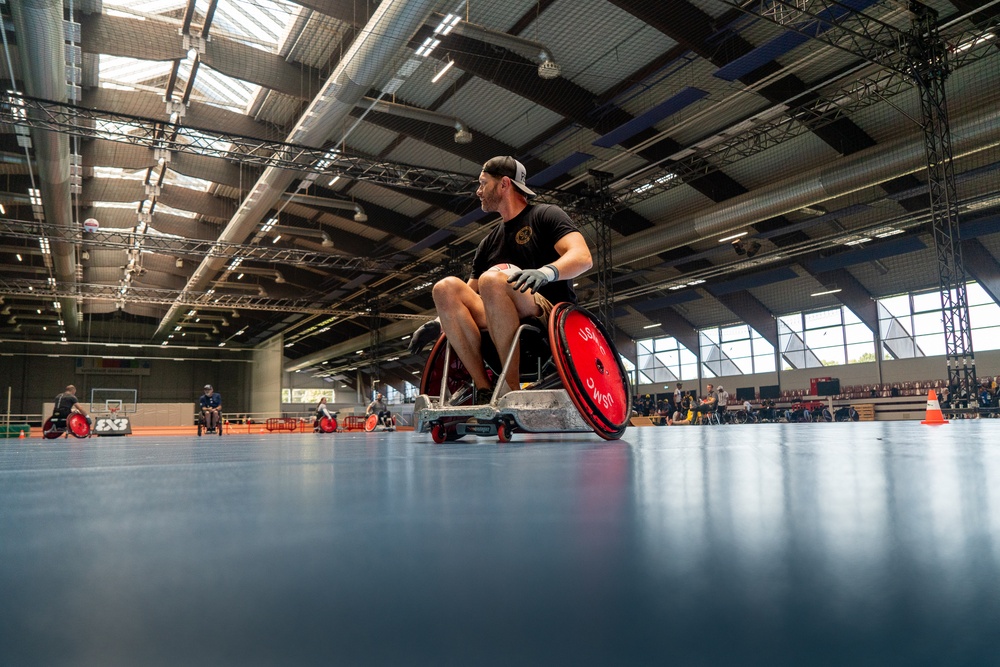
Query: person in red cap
[[540, 239]]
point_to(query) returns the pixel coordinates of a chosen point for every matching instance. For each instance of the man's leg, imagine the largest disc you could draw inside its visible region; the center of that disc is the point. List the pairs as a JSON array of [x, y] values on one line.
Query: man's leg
[[462, 316], [504, 309]]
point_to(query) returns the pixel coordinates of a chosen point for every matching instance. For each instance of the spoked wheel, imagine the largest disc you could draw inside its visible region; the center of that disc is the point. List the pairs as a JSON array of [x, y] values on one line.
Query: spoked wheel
[[327, 424], [371, 423], [77, 425], [49, 430], [591, 370]]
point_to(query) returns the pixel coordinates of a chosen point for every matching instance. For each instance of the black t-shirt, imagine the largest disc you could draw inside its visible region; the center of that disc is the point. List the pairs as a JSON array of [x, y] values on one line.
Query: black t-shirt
[[64, 404], [528, 241]]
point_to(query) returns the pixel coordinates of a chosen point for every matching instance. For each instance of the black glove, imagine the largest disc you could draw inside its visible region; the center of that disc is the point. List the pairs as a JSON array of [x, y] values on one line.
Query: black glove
[[533, 279], [427, 333]]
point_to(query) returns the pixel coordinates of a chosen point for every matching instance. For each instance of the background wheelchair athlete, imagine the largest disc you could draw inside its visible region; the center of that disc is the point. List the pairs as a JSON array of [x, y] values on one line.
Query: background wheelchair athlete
[[210, 414], [324, 421], [382, 417], [68, 417]]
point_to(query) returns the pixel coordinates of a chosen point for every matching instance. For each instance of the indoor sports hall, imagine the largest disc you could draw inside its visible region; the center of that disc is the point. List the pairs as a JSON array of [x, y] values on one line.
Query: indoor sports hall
[[358, 332]]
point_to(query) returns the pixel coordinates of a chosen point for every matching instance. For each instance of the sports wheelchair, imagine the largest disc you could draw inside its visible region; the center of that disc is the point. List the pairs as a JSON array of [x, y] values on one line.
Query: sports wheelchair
[[372, 422], [74, 424], [325, 423], [204, 428], [577, 383]]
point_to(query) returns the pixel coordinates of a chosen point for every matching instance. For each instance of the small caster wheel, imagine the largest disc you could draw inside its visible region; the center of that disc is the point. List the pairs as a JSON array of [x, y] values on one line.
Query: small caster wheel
[[438, 433], [504, 432]]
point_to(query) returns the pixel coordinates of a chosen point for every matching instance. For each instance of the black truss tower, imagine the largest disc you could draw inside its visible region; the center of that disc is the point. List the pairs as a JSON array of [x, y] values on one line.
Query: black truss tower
[[929, 57], [920, 54], [375, 348], [602, 212]]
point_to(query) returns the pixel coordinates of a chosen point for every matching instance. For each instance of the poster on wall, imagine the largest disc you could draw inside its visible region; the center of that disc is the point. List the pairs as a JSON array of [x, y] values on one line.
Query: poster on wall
[[111, 366]]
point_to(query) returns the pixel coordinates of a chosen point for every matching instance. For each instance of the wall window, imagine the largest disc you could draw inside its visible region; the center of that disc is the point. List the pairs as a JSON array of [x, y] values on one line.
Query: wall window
[[824, 338], [308, 396], [663, 360], [984, 316], [629, 369], [912, 325], [408, 395], [735, 350]]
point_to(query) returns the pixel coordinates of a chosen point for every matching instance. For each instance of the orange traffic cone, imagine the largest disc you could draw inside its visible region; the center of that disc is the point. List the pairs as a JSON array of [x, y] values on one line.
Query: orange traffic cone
[[934, 416], [20, 435]]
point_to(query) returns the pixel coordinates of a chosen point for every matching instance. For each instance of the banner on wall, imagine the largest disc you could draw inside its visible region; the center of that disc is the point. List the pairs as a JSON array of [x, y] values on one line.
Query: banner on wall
[[91, 366]]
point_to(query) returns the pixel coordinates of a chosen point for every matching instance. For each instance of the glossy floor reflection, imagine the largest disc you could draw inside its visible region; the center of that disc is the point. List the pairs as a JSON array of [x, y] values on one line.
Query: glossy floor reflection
[[847, 544]]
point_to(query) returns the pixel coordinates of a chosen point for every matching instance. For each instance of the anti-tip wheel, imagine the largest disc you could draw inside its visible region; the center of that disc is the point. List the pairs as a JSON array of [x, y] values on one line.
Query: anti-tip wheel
[[504, 432], [439, 433]]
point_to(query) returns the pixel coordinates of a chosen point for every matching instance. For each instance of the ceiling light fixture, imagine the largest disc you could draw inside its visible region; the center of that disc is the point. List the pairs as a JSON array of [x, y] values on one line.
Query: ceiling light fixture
[[18, 255], [829, 291], [732, 236], [447, 66], [333, 181], [651, 326]]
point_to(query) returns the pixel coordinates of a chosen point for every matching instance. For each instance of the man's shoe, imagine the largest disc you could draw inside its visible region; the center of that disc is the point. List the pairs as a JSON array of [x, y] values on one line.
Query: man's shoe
[[483, 396]]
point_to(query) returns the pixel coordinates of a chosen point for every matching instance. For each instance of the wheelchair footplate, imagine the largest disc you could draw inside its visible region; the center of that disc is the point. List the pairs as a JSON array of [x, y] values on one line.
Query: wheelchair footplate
[[532, 410], [589, 390]]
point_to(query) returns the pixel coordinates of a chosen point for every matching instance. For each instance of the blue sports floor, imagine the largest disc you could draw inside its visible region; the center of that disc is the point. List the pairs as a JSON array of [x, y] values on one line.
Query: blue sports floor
[[777, 544]]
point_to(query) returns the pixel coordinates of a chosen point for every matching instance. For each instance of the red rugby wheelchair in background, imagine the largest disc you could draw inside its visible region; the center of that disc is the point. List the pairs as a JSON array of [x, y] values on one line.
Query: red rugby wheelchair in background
[[575, 383], [73, 424]]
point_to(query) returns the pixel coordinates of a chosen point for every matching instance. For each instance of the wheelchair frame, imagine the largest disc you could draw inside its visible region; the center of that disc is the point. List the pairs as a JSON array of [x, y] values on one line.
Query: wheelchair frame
[[575, 407], [75, 424], [203, 428]]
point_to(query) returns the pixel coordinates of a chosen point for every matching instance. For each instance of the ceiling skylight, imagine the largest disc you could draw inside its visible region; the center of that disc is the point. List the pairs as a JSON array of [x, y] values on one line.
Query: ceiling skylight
[[259, 23]]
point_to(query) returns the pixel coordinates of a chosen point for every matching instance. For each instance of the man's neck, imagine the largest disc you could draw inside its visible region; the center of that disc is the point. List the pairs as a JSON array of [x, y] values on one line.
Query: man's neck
[[511, 208]]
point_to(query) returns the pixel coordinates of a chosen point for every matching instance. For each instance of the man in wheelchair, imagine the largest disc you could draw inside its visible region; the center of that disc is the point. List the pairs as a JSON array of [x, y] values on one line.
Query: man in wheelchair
[[67, 403], [381, 408], [523, 266], [211, 408]]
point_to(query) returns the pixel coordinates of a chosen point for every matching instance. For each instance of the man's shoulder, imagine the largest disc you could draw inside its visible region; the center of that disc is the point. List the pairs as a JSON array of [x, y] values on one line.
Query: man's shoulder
[[546, 211]]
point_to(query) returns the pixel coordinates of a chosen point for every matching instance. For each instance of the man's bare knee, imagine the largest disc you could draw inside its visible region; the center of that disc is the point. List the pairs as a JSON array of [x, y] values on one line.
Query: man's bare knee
[[446, 291], [494, 289], [494, 284]]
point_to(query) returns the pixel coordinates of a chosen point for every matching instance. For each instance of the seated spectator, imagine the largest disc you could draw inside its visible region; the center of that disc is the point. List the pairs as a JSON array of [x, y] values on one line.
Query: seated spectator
[[687, 421], [709, 403], [683, 408]]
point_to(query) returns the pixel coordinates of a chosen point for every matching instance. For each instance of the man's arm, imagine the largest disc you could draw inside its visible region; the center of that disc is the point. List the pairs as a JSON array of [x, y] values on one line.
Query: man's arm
[[574, 259], [574, 256]]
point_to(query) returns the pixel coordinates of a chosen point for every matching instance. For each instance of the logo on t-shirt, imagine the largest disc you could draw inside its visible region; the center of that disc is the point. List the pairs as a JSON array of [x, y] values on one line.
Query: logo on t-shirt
[[523, 235]]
